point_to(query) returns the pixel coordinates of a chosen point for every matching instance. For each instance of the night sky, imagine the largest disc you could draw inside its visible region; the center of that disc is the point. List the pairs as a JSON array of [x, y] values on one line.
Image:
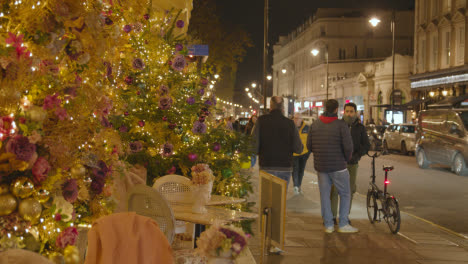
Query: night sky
[[285, 15]]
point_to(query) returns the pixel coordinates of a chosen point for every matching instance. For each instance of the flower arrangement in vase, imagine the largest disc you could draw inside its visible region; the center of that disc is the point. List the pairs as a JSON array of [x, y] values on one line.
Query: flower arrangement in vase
[[221, 244], [202, 180]]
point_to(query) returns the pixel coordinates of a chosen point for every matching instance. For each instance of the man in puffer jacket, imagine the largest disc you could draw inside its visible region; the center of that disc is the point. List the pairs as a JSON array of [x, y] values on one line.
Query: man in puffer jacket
[[330, 140], [361, 147]]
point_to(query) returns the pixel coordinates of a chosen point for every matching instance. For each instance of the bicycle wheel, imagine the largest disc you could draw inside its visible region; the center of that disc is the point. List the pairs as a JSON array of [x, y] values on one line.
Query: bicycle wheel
[[371, 206], [393, 215]]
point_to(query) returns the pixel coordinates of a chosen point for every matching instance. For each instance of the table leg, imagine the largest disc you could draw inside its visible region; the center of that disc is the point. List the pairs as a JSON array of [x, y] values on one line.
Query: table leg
[[198, 230]]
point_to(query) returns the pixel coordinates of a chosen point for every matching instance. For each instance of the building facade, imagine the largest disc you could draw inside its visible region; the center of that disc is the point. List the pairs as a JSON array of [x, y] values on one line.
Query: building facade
[[441, 56], [351, 43]]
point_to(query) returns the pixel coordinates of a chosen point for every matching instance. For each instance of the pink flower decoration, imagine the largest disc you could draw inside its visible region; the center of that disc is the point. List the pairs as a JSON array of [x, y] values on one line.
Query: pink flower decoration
[[61, 113], [67, 237], [51, 101], [40, 169], [16, 41]]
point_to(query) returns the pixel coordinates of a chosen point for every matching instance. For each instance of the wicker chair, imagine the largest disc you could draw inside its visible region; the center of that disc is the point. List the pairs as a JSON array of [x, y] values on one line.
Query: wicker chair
[[176, 189], [146, 201]]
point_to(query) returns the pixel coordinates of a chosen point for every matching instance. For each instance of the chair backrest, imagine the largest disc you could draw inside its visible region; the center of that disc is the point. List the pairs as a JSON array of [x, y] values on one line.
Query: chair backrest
[[147, 201], [21, 256], [175, 188]]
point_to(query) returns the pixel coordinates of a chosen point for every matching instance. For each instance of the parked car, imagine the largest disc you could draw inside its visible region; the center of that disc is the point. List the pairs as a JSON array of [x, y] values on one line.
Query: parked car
[[400, 137], [375, 134], [442, 138]]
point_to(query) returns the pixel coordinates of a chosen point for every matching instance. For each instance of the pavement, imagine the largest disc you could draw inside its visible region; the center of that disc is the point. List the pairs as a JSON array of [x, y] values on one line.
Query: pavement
[[418, 242]]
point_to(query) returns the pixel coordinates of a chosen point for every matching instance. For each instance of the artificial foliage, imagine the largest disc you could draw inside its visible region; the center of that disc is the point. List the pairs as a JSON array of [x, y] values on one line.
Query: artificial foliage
[[87, 90]]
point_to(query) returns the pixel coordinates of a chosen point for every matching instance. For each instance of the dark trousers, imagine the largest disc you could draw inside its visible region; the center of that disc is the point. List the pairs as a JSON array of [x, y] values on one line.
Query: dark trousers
[[299, 163]]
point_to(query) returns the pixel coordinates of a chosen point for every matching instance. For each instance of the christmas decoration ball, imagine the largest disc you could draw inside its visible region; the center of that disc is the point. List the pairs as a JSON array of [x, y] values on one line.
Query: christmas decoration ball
[[42, 195], [226, 173], [30, 209], [22, 187], [72, 255], [7, 204], [192, 157], [56, 258], [4, 188], [78, 171], [37, 114], [216, 146], [245, 165]]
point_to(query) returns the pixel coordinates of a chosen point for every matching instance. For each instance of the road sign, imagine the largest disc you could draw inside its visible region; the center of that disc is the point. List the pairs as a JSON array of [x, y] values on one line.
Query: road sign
[[198, 50]]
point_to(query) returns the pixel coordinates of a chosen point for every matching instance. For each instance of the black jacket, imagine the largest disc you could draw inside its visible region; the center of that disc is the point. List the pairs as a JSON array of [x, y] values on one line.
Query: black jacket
[[276, 139], [330, 140], [361, 143]]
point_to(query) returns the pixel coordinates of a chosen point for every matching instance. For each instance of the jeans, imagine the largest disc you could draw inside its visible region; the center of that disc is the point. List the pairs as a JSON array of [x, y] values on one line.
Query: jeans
[[352, 168], [285, 175], [299, 163], [341, 181]]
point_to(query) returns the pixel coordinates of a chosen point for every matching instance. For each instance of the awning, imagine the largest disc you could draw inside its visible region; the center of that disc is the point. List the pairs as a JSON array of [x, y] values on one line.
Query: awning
[[451, 101], [414, 103], [398, 107]]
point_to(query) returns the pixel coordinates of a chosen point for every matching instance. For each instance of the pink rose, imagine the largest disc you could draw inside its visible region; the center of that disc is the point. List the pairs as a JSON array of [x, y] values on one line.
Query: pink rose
[[67, 237], [40, 169], [21, 147]]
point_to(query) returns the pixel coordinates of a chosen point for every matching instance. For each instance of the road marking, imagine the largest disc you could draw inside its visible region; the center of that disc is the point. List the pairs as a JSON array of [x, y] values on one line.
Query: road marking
[[414, 241], [431, 223]]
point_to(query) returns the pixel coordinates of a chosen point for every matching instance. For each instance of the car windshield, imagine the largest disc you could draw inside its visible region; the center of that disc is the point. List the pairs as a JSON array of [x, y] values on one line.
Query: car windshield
[[464, 117]]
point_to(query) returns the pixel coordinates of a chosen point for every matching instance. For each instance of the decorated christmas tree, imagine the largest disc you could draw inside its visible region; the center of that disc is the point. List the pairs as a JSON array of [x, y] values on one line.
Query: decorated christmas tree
[[89, 89]]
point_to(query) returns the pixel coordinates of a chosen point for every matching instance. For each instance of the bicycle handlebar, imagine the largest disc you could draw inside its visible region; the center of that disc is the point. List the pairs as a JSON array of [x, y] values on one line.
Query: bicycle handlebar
[[376, 154]]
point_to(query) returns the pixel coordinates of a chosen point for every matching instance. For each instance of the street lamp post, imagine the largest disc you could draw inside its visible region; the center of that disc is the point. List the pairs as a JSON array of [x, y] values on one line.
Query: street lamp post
[[265, 54], [315, 52], [374, 22]]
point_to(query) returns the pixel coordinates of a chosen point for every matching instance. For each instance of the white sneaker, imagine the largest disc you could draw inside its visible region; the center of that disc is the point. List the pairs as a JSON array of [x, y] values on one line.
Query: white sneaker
[[329, 229], [348, 229], [296, 190]]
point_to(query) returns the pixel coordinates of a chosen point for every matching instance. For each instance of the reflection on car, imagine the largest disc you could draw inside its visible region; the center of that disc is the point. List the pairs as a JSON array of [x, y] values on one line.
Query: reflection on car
[[400, 137]]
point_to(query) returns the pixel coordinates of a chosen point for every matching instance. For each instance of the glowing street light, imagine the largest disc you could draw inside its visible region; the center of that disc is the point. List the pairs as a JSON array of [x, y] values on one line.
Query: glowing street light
[[254, 85], [269, 77], [374, 21], [283, 71], [315, 52], [246, 89]]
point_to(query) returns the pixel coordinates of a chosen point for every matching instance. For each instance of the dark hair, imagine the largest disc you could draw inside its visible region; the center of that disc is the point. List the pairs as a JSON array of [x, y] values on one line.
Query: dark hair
[[353, 105], [331, 105]]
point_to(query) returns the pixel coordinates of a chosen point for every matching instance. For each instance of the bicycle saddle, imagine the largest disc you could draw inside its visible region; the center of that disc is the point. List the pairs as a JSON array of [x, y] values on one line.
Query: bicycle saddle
[[387, 168]]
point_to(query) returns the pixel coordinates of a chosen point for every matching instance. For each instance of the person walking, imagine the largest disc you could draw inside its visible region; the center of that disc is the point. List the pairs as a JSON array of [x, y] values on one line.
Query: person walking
[[300, 160], [250, 124], [276, 139], [330, 141], [361, 146]]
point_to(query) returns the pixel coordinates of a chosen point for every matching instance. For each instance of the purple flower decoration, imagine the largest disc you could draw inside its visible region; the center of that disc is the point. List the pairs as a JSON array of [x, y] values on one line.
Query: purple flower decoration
[[179, 63], [201, 91], [179, 47], [98, 184], [190, 100], [204, 81], [165, 103], [138, 64], [103, 167], [123, 129], [105, 122], [208, 102], [70, 190], [108, 69], [51, 101], [136, 146], [216, 146], [127, 28], [141, 123], [213, 99], [180, 23], [168, 148], [21, 147], [199, 127], [163, 90], [146, 16], [61, 113], [109, 21], [129, 80], [172, 125]]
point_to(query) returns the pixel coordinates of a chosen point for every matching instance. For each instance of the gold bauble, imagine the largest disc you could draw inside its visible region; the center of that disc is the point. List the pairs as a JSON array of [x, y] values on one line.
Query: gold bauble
[[72, 255], [42, 195], [4, 188], [7, 204], [30, 209], [22, 187], [78, 171], [37, 114]]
